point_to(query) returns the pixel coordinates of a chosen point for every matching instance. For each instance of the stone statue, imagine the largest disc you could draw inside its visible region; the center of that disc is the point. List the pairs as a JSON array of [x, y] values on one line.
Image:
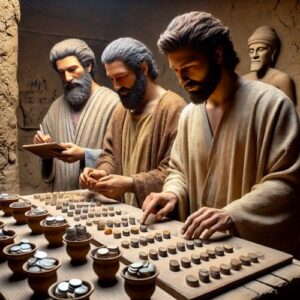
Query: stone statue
[[263, 49]]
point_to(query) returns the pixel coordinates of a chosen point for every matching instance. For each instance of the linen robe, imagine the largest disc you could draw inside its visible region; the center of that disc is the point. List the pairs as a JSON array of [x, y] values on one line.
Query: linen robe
[[251, 167], [88, 133], [153, 167]]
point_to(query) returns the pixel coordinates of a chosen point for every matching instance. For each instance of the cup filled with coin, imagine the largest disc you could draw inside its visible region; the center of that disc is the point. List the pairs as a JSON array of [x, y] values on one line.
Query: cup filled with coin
[[5, 201], [41, 271], [6, 238], [140, 279], [19, 209], [77, 241], [72, 289], [106, 262], [17, 254], [54, 228], [34, 217]]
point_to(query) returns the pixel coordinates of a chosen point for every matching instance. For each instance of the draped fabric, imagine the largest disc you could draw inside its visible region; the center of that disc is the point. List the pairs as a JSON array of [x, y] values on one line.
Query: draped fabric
[[88, 133], [250, 167], [152, 167]]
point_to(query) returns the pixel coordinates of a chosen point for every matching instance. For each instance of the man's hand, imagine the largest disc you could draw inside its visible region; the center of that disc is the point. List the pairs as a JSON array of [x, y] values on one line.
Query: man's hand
[[159, 204], [114, 186], [39, 138], [89, 177], [72, 154], [206, 218]]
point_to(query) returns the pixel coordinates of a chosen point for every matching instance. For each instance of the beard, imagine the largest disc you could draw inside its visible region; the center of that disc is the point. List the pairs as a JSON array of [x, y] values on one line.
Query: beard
[[78, 91], [202, 90], [133, 97]]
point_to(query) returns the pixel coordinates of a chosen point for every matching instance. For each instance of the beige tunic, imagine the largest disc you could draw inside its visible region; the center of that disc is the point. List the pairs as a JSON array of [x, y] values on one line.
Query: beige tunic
[[251, 167], [88, 133]]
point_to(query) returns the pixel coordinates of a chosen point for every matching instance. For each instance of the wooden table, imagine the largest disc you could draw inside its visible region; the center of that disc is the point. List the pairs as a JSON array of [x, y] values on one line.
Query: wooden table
[[277, 284]]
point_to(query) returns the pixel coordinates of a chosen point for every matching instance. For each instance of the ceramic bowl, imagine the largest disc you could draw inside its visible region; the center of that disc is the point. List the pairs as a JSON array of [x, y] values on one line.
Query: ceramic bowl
[[18, 212], [54, 233], [16, 260], [5, 201], [139, 288], [78, 250], [105, 267], [5, 242], [40, 282], [51, 291], [34, 221]]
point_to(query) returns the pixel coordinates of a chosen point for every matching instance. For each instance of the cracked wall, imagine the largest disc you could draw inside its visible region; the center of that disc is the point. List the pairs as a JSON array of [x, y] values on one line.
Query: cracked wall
[[100, 21], [9, 18]]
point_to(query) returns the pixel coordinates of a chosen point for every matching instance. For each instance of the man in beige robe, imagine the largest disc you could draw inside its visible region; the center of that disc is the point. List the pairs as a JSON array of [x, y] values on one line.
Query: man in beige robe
[[235, 163], [77, 119], [141, 132]]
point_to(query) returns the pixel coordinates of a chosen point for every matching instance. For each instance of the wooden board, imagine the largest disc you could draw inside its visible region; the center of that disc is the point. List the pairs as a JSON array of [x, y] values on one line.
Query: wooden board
[[44, 150], [175, 282]]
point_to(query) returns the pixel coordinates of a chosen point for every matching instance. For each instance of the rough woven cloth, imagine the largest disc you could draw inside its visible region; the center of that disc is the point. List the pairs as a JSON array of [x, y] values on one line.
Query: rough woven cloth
[[251, 167], [89, 133], [152, 169]]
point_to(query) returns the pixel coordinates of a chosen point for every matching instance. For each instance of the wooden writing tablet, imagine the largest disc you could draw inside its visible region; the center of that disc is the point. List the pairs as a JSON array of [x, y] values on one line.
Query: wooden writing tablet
[[44, 150]]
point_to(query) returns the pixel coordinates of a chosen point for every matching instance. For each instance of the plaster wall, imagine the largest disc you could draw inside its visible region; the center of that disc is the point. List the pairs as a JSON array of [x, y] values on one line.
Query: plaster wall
[[100, 21], [9, 18]]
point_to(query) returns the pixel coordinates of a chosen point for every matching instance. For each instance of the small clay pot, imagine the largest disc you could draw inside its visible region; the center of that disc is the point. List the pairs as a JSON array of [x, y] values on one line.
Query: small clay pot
[[5, 201], [6, 242], [19, 212], [17, 260], [78, 250], [106, 267], [40, 282], [2, 224], [139, 288], [34, 222], [51, 291], [54, 233]]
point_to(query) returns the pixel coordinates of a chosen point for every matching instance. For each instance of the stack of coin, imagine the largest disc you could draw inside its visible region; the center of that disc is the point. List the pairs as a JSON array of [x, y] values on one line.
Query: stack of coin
[[109, 251], [4, 234], [78, 232], [54, 220], [20, 248], [141, 269], [71, 289], [20, 204], [40, 262], [37, 211]]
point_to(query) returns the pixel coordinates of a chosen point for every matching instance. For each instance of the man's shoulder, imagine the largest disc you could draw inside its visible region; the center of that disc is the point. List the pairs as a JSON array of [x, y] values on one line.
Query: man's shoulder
[[171, 100], [106, 93]]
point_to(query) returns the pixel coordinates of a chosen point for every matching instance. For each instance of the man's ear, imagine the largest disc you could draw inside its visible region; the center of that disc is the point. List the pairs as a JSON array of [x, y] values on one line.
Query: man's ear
[[144, 68], [89, 68], [219, 53]]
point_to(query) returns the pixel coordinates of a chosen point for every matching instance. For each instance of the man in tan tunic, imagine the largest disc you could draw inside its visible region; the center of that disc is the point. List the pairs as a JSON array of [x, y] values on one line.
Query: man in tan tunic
[[235, 163], [139, 137], [263, 47], [77, 119]]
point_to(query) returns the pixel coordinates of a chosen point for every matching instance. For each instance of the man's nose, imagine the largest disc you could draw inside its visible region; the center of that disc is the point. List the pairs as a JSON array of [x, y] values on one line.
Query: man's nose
[[68, 77], [116, 85]]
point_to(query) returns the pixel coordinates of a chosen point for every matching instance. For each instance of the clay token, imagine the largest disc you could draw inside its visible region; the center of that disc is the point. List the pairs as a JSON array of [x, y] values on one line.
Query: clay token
[[107, 231], [235, 264], [246, 261], [219, 250], [117, 234], [192, 280], [181, 246], [190, 244], [135, 230], [143, 228], [185, 262], [198, 243], [174, 265], [228, 248], [253, 257], [134, 243], [214, 272], [172, 249], [125, 244], [162, 251], [225, 269], [126, 232], [204, 275], [150, 238], [166, 234], [153, 254], [143, 241], [143, 255], [196, 259], [158, 236], [211, 253], [204, 256]]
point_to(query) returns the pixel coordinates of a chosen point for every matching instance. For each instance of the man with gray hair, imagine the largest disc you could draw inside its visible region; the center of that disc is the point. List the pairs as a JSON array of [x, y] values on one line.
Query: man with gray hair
[[263, 50], [140, 135], [77, 119]]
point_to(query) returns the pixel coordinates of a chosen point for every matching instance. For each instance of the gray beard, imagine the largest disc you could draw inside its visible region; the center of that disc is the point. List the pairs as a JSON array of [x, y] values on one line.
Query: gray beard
[[78, 92]]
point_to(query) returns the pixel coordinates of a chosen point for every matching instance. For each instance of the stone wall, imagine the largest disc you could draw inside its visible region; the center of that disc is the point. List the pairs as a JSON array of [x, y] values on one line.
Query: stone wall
[[9, 19], [100, 21]]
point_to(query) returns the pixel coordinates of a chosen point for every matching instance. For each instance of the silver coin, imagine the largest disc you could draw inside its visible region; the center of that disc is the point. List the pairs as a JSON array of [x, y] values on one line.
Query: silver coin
[[32, 261], [81, 290], [47, 263], [40, 254], [102, 252], [14, 249], [63, 286], [137, 265], [24, 241], [75, 282], [34, 269]]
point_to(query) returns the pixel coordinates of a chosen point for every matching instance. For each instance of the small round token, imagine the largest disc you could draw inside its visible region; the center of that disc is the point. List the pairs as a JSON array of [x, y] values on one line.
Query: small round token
[[185, 262], [225, 269], [174, 265], [134, 243], [143, 255], [125, 244], [162, 251], [126, 232], [228, 248], [108, 230], [204, 275], [172, 249], [150, 238], [195, 258], [134, 230], [181, 246], [246, 261], [117, 234], [219, 250], [204, 256], [158, 236], [214, 272], [166, 234], [198, 243], [235, 264], [253, 257], [192, 280], [190, 244], [211, 253], [153, 254], [143, 241], [143, 228]]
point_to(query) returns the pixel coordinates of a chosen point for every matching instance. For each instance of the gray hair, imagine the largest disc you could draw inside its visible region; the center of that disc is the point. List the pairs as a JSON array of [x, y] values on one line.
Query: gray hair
[[73, 47], [132, 52]]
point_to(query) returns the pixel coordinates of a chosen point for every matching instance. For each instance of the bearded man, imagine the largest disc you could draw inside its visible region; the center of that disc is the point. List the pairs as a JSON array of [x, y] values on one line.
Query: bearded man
[[235, 163], [78, 119], [142, 129], [263, 49]]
